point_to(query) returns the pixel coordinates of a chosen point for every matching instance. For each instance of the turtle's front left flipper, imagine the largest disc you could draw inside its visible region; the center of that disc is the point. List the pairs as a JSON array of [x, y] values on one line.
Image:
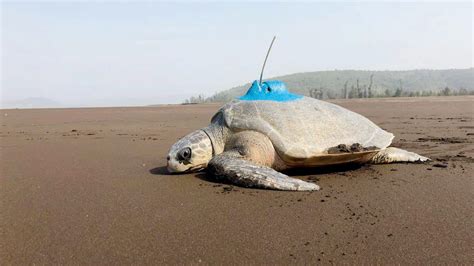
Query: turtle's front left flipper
[[232, 168]]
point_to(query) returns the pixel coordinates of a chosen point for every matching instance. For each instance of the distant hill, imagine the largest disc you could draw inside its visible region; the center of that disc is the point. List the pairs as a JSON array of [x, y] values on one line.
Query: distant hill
[[356, 84], [32, 102]]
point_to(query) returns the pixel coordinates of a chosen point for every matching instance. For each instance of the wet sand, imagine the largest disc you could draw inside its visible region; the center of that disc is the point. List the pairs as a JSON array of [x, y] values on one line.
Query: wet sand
[[89, 186]]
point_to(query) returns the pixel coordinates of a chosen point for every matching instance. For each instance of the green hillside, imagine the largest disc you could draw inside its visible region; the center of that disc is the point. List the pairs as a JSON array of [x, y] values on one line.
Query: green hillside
[[356, 84]]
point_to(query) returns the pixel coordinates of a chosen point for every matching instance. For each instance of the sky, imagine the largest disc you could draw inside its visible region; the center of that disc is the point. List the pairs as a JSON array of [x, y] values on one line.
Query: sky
[[91, 53]]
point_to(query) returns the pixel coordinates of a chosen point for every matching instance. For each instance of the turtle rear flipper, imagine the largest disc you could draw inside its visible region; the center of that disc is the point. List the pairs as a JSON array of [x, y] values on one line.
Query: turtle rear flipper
[[394, 155], [230, 167]]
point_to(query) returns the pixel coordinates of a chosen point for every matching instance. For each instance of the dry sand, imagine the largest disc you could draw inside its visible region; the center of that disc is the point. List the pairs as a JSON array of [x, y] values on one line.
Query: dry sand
[[89, 186]]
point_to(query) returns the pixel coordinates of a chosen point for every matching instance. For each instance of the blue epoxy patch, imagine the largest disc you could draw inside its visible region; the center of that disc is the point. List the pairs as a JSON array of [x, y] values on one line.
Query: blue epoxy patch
[[272, 90]]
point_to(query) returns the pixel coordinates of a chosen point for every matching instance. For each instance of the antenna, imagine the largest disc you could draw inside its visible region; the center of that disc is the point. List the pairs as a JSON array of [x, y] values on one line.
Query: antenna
[[266, 57]]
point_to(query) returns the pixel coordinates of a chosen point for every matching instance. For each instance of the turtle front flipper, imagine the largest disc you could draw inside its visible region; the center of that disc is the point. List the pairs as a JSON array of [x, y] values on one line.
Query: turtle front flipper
[[230, 167]]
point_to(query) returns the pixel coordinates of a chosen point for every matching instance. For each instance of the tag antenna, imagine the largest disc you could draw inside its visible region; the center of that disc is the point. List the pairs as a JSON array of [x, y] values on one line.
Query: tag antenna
[[266, 57]]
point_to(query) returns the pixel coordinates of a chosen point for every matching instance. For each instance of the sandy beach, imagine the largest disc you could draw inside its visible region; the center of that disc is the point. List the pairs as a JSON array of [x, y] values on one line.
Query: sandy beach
[[90, 186]]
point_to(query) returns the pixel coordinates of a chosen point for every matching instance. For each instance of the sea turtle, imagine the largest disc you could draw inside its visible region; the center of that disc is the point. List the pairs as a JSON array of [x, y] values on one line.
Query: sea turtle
[[251, 139]]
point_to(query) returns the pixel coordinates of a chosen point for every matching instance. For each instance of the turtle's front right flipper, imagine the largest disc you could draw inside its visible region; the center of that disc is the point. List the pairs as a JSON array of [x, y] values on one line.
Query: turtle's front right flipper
[[232, 168]]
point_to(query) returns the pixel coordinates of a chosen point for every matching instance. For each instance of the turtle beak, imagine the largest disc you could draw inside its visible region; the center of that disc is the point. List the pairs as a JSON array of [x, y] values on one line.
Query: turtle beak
[[175, 167], [170, 170], [193, 169], [196, 168]]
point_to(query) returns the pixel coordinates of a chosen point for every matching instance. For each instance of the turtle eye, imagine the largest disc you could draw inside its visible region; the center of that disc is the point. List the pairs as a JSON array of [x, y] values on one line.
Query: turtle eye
[[184, 154]]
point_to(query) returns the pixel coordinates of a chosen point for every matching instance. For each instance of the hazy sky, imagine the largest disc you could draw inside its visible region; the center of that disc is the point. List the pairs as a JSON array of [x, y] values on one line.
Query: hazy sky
[[111, 53]]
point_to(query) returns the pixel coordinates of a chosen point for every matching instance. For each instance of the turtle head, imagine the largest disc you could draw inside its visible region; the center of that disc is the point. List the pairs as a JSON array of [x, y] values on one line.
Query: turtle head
[[190, 153]]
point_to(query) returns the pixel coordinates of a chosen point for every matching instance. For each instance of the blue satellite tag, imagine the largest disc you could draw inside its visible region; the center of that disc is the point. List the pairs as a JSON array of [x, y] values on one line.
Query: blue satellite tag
[[272, 90]]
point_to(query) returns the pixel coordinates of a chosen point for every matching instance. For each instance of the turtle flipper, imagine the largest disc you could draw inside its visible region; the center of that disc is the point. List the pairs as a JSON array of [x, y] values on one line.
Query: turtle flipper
[[234, 169], [394, 155]]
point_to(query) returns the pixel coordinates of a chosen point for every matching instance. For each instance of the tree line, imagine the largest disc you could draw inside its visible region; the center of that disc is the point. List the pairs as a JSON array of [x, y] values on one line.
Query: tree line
[[350, 88], [359, 90]]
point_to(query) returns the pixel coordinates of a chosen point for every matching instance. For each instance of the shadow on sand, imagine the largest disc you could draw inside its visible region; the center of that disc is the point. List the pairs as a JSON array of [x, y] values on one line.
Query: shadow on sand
[[314, 171], [160, 171], [322, 170]]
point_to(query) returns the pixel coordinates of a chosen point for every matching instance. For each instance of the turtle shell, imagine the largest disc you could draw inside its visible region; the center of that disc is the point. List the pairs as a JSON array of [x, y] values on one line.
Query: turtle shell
[[307, 130]]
